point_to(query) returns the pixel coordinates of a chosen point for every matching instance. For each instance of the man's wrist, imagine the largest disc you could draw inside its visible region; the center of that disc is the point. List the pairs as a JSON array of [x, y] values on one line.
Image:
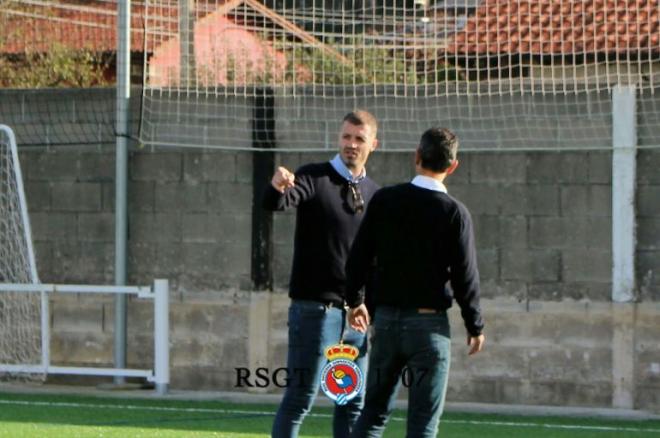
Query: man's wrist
[[355, 304], [279, 189]]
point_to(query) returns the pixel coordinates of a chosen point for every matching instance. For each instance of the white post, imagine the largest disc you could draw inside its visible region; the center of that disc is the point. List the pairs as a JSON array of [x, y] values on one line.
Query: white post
[[624, 142], [45, 331], [121, 175], [161, 335], [27, 230], [624, 139]]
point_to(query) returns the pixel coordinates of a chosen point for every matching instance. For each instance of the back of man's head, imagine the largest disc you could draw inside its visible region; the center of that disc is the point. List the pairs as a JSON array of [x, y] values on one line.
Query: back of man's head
[[437, 149], [361, 117]]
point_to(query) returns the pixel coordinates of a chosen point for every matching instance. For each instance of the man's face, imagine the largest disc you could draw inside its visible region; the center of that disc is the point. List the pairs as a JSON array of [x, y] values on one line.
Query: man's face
[[356, 142]]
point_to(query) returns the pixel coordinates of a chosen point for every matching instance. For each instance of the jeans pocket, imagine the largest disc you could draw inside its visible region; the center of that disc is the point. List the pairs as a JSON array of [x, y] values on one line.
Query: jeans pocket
[[306, 322]]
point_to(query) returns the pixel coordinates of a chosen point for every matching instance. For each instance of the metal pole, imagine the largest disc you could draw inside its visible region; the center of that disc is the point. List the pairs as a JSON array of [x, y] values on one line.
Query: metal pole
[[121, 176], [161, 335], [263, 164], [188, 72]]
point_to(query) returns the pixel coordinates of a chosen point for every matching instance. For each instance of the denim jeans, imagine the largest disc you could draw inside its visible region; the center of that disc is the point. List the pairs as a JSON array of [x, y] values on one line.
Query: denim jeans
[[314, 326], [420, 344]]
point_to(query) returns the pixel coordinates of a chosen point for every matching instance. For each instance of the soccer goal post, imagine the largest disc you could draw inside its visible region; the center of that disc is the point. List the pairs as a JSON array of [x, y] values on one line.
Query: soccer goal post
[[21, 318], [24, 302]]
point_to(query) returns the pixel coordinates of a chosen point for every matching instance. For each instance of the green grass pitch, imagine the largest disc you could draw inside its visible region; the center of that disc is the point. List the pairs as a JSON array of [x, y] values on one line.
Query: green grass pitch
[[32, 415]]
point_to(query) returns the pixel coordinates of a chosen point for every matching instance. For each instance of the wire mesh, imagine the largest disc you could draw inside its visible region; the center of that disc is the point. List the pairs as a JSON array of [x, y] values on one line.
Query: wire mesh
[[20, 336]]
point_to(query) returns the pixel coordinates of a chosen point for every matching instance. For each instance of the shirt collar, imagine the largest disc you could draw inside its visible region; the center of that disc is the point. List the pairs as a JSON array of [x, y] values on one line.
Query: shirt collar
[[426, 182], [341, 169]]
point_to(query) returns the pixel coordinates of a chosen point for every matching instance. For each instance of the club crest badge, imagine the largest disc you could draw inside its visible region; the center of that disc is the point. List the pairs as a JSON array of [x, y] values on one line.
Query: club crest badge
[[341, 378]]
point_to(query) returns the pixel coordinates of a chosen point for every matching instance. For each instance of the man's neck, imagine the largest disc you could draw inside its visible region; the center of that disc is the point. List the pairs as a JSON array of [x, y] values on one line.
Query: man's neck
[[429, 173], [355, 171], [352, 174]]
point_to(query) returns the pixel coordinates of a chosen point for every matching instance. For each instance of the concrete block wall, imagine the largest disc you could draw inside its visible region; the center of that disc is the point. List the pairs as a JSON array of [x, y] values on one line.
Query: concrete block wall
[[648, 225], [190, 213], [45, 117], [208, 337], [189, 221], [543, 224]]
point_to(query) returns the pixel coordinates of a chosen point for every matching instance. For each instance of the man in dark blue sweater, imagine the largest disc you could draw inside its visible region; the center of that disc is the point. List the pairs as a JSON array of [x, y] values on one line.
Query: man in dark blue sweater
[[331, 200], [420, 239]]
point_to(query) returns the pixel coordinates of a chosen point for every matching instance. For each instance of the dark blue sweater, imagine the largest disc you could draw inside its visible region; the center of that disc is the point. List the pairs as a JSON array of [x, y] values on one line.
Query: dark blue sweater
[[325, 229], [420, 240]]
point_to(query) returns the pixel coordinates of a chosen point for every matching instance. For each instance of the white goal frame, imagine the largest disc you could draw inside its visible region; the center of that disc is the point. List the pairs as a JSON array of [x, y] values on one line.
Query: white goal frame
[[22, 202], [158, 292]]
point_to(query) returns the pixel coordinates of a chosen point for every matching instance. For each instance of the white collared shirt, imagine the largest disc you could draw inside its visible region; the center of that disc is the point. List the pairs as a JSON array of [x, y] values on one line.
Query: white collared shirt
[[341, 169], [426, 182]]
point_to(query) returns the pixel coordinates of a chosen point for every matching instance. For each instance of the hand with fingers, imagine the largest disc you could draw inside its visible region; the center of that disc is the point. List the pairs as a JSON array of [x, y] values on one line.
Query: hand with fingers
[[283, 179], [358, 318], [475, 343]]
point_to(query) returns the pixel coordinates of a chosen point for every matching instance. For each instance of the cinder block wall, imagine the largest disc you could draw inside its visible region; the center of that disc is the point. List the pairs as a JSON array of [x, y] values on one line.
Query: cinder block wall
[[543, 224]]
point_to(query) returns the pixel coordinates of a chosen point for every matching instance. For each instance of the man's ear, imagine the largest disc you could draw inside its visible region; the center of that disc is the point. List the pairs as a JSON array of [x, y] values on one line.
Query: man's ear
[[418, 159], [375, 145], [452, 167]]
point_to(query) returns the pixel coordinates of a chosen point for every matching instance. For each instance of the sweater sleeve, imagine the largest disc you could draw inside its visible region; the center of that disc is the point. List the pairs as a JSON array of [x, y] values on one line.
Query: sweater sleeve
[[361, 256], [464, 274], [303, 190]]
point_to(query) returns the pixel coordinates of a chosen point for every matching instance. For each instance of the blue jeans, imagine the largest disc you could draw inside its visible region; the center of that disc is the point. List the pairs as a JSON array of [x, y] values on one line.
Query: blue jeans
[[314, 326], [413, 348]]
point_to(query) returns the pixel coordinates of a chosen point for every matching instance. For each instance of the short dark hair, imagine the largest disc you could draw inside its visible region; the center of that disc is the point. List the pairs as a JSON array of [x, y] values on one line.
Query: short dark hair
[[437, 149], [361, 117]]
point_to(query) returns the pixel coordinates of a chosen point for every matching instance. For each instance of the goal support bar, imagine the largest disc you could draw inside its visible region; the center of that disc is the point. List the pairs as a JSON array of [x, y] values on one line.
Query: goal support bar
[[158, 292]]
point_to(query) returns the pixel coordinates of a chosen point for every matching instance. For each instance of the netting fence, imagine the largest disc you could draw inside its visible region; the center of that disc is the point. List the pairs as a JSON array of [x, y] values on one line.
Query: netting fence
[[505, 74]]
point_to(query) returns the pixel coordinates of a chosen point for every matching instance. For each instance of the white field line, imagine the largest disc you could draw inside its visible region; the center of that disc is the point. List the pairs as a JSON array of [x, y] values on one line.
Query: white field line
[[267, 413]]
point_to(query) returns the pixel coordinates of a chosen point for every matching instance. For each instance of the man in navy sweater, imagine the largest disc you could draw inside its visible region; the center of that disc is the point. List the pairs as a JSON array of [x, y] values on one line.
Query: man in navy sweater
[[331, 200], [420, 239]]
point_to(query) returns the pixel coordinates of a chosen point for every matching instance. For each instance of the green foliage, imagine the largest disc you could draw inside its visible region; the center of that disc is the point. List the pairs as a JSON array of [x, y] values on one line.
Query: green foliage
[[58, 67], [37, 67], [357, 63], [349, 62]]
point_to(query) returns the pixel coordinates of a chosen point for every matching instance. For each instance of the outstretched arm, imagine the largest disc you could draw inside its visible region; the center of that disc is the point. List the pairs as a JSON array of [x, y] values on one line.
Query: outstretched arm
[[287, 190]]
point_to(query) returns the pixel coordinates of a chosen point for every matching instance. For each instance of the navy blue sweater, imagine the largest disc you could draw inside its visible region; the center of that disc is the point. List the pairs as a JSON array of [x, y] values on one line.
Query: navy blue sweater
[[420, 240], [325, 229]]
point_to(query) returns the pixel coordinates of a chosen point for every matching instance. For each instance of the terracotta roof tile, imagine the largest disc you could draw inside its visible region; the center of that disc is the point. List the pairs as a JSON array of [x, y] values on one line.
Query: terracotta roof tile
[[540, 27], [91, 26], [555, 27]]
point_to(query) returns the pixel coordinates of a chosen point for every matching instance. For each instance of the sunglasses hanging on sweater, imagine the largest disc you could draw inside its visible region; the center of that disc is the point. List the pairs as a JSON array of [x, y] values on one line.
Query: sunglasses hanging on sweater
[[356, 201]]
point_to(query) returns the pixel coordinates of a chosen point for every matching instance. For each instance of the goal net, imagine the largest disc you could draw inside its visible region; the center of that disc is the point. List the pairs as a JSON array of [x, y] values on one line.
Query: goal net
[[20, 336], [504, 74]]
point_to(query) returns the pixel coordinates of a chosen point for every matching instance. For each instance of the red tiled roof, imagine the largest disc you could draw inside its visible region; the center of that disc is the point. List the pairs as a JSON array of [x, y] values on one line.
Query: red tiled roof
[[538, 27], [91, 26], [556, 27]]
